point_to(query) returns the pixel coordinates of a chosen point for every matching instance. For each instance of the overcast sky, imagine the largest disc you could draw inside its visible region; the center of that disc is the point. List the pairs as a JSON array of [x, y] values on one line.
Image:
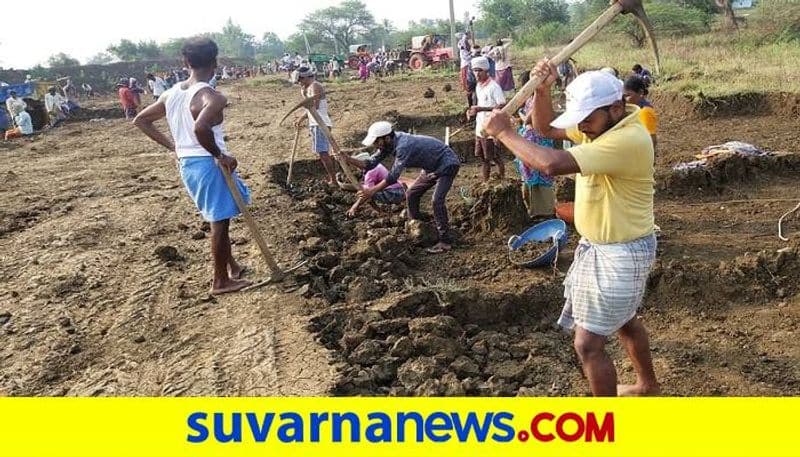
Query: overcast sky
[[88, 27]]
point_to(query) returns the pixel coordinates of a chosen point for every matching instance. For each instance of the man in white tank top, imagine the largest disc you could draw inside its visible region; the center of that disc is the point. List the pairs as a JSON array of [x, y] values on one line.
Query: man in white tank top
[[310, 87], [194, 113]]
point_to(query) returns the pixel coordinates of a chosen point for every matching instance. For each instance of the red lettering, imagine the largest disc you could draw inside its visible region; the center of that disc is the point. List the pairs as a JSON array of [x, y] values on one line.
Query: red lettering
[[535, 427], [600, 433], [566, 436]]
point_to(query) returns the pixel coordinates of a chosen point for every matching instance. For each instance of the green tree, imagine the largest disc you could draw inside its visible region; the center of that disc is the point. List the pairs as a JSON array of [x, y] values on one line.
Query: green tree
[[668, 19], [502, 18], [101, 58], [62, 60], [172, 48], [270, 47], [235, 42], [342, 25], [128, 51]]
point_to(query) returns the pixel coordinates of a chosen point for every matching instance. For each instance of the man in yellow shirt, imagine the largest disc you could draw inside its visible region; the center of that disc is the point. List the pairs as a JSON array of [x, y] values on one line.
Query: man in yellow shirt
[[613, 163]]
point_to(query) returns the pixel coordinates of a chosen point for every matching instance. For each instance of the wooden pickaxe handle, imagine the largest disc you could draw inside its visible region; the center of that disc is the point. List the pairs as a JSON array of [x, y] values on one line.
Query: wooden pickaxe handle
[[291, 160], [617, 7], [335, 146], [277, 273]]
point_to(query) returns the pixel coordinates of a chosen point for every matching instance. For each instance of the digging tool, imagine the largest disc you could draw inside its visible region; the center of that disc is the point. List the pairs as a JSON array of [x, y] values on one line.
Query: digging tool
[[291, 161], [277, 273], [308, 104], [617, 7], [459, 130]]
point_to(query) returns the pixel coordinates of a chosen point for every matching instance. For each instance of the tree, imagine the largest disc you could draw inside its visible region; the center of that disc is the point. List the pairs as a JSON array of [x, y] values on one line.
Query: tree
[[343, 25], [234, 42], [172, 47], [503, 18], [101, 58], [270, 47], [667, 19], [128, 51], [62, 60]]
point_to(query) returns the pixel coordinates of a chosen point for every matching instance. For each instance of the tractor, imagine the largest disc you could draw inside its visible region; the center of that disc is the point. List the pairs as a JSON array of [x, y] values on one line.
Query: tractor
[[429, 50]]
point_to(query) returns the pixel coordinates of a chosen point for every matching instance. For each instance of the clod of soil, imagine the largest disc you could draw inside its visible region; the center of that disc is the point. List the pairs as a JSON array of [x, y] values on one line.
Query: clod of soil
[[447, 88], [429, 93], [497, 208], [168, 254]]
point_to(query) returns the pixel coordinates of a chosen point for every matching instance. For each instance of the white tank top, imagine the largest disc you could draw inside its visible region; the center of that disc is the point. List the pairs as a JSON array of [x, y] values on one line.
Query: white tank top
[[322, 110], [181, 123]]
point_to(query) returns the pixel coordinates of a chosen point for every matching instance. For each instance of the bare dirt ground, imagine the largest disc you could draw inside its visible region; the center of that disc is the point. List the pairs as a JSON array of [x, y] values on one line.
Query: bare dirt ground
[[106, 266]]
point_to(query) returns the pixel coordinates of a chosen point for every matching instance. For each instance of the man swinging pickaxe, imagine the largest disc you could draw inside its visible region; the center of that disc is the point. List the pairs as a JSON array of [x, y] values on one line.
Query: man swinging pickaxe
[[308, 104], [613, 167]]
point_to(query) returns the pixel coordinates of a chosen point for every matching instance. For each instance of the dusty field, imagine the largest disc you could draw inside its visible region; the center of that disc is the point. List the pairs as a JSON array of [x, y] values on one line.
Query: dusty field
[[93, 301]]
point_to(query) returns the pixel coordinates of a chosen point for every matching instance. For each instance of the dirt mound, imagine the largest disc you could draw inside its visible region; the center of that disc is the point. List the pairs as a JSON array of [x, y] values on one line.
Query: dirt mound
[[441, 340], [727, 170], [495, 208], [681, 106], [756, 278], [356, 260]]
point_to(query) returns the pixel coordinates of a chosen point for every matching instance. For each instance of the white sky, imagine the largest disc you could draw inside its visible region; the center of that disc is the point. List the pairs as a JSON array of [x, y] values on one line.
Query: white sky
[[88, 27]]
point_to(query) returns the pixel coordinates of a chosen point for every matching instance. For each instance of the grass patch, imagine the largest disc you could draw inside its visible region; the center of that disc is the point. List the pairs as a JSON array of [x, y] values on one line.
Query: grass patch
[[715, 63]]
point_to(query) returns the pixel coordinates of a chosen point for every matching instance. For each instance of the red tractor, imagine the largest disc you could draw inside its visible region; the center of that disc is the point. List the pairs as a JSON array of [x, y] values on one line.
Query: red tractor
[[428, 50]]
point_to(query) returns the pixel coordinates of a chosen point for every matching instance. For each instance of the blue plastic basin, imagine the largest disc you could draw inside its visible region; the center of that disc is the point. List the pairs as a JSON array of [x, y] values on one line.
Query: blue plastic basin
[[553, 231]]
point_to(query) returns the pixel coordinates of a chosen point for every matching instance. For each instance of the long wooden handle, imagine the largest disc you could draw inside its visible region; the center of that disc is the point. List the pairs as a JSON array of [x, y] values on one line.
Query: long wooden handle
[[291, 160], [530, 87], [277, 273], [335, 146]]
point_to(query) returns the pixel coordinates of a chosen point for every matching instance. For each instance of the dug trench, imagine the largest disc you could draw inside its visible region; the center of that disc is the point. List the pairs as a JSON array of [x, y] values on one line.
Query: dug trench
[[400, 322]]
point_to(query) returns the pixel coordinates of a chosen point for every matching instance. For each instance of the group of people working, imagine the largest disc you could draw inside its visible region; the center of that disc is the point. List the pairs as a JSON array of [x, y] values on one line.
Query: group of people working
[[612, 161]]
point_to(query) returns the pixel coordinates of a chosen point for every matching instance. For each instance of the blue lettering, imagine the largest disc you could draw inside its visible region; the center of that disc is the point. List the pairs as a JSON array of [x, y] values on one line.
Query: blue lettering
[[260, 431], [316, 424], [471, 425], [383, 425], [446, 425], [194, 424], [236, 428], [402, 418], [355, 427], [295, 426], [504, 427]]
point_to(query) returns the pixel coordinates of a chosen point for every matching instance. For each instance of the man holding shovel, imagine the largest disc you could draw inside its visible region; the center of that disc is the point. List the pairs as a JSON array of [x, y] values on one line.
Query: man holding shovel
[[194, 112], [310, 87], [613, 161]]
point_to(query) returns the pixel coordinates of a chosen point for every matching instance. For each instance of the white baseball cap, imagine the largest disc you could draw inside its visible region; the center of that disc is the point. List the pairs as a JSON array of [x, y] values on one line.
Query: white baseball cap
[[377, 130], [589, 91]]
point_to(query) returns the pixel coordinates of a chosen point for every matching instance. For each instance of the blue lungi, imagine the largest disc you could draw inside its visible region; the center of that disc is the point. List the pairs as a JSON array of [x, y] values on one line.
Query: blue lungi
[[206, 185]]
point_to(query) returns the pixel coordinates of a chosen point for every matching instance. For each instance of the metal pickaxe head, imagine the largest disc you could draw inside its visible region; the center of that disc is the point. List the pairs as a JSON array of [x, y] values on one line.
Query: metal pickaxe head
[[636, 8], [305, 103]]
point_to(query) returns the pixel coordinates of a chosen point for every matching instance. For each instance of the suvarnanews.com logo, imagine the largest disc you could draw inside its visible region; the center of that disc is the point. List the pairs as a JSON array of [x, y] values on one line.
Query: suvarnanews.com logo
[[400, 427]]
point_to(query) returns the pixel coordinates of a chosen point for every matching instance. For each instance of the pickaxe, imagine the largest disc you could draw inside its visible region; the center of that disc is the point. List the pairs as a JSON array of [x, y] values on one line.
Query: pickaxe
[[308, 104], [277, 273], [617, 7]]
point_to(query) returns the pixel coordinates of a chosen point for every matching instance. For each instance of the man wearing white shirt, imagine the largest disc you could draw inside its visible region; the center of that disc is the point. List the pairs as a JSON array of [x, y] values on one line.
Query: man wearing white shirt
[[15, 104], [53, 103], [157, 85], [489, 96]]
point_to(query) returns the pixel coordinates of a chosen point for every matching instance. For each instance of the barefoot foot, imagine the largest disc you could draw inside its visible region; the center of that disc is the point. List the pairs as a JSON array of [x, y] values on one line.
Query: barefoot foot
[[231, 285], [636, 390]]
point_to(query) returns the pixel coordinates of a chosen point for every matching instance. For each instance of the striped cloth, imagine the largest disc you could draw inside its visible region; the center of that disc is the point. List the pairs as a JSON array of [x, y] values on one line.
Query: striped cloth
[[606, 283]]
